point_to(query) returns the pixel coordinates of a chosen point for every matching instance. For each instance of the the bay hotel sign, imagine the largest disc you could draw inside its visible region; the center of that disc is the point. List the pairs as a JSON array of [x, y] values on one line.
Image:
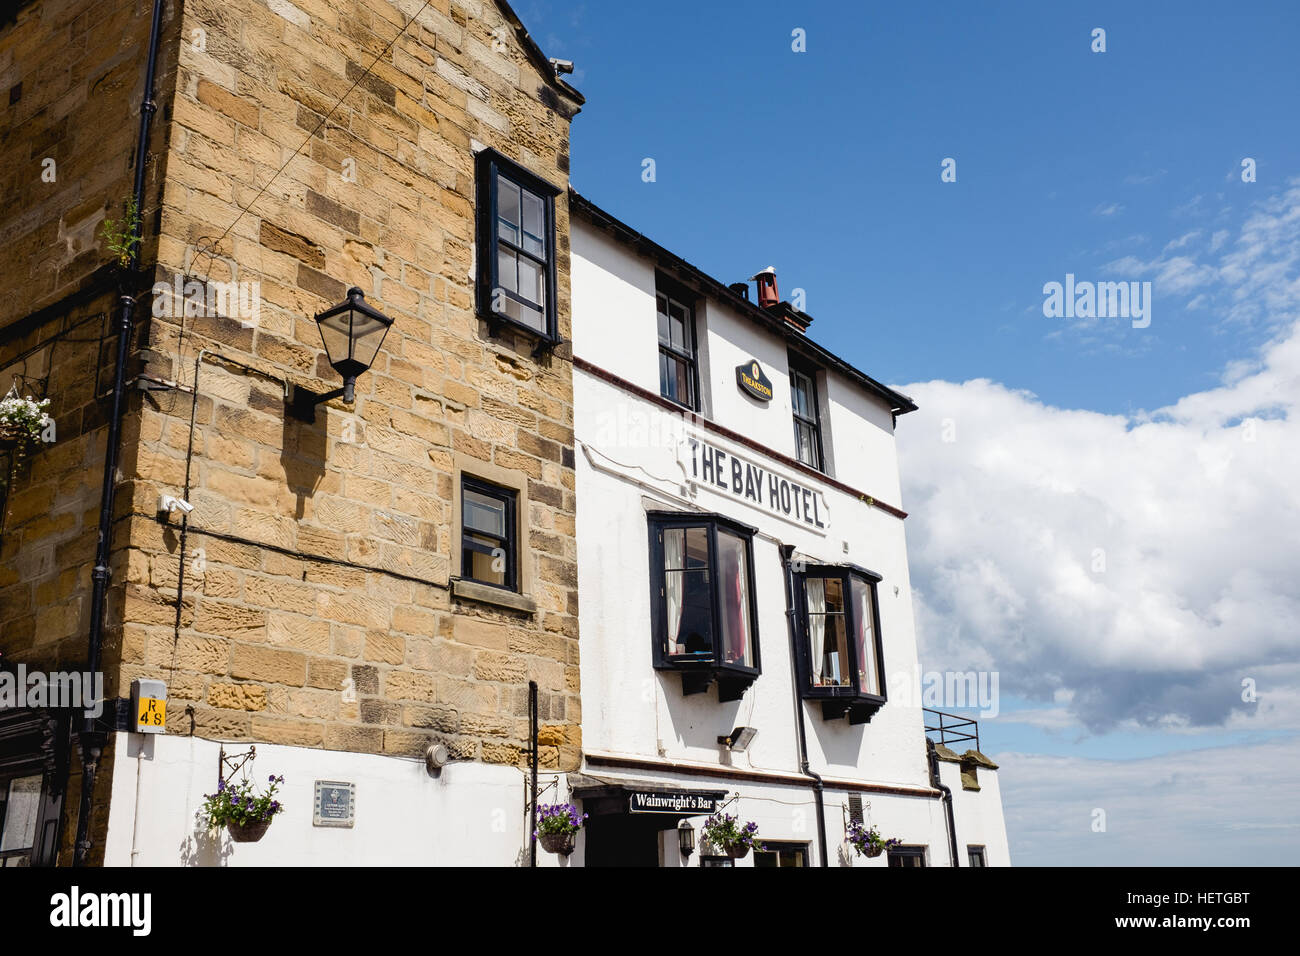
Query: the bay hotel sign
[[759, 487]]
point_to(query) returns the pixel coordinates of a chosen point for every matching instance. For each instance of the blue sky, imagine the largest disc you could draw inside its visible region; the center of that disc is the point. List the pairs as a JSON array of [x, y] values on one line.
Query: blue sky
[[1088, 436], [827, 164]]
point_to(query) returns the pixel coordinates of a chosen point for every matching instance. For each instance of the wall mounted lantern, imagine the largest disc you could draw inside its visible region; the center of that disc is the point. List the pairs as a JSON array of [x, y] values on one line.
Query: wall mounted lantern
[[738, 740], [685, 838], [352, 332]]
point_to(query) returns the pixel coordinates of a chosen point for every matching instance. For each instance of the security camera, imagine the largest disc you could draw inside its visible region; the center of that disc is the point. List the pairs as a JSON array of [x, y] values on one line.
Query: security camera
[[562, 66], [170, 503]]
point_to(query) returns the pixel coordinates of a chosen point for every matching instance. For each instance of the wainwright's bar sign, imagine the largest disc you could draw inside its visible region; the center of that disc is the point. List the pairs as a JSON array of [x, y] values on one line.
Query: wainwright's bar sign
[[686, 801]]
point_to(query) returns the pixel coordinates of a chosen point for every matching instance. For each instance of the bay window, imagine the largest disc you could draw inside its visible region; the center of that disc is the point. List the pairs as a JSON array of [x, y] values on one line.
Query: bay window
[[702, 599], [840, 650]]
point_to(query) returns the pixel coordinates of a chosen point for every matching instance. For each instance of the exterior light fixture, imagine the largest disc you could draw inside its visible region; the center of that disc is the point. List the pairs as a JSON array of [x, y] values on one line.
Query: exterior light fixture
[[352, 332], [738, 740], [685, 837]]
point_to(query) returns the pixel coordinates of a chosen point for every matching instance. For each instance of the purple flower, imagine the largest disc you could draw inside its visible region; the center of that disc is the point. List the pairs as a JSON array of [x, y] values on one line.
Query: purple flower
[[271, 778], [221, 785]]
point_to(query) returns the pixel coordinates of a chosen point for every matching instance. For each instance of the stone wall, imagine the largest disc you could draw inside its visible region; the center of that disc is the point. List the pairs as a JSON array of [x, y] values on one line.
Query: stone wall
[[316, 605]]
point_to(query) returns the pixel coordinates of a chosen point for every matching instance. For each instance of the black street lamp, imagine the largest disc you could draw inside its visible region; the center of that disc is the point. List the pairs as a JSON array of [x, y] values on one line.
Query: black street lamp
[[352, 332]]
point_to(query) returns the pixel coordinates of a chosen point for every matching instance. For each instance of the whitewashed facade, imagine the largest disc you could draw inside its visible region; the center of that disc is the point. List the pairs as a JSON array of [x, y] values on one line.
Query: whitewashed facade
[[646, 464]]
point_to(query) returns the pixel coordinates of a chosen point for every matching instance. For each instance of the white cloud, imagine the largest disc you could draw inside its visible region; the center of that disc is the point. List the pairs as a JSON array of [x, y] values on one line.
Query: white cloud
[[1148, 563]]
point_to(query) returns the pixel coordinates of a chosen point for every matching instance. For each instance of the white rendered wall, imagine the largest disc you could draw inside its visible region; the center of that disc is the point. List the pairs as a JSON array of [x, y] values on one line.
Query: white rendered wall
[[978, 813], [471, 815]]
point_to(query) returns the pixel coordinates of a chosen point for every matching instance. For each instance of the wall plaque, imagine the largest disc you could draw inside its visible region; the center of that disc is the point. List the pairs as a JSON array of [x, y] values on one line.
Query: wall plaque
[[753, 382], [336, 804]]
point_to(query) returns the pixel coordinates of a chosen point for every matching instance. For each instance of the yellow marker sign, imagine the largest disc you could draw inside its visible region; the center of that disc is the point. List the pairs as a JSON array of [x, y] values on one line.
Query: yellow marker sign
[[152, 713]]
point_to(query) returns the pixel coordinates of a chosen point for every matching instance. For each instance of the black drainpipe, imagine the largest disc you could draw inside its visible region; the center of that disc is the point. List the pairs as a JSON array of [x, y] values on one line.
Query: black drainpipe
[[92, 739], [532, 761], [818, 787], [947, 799]]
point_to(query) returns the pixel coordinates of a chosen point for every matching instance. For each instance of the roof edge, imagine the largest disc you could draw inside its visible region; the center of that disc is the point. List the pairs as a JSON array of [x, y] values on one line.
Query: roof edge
[[899, 403], [536, 54]]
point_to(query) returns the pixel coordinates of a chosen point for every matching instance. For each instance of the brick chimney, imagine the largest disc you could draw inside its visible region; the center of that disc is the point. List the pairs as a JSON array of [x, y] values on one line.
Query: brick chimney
[[768, 295]]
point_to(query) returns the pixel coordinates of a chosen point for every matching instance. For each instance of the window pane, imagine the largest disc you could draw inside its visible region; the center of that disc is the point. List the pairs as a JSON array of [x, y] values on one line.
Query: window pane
[[490, 567], [507, 210], [526, 315], [689, 600], [733, 580], [664, 338], [507, 268], [827, 632], [804, 447], [24, 799], [532, 281], [675, 380], [868, 667], [481, 512], [534, 219], [799, 395], [677, 319]]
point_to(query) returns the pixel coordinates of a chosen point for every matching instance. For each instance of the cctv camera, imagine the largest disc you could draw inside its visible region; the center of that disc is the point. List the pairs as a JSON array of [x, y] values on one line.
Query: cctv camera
[[562, 66]]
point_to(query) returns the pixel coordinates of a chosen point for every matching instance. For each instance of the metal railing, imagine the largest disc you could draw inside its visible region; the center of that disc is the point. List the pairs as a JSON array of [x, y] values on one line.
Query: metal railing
[[951, 728]]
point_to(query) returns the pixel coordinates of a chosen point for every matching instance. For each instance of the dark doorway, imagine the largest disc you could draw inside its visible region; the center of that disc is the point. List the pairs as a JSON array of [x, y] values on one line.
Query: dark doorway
[[624, 840]]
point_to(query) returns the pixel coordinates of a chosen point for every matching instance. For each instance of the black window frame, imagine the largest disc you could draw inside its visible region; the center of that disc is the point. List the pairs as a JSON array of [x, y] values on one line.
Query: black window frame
[[776, 848], [977, 852], [900, 853], [837, 701], [681, 296], [814, 423], [699, 673], [490, 167], [509, 542]]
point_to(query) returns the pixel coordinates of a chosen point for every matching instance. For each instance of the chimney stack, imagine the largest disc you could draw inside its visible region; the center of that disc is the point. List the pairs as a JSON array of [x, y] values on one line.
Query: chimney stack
[[768, 295]]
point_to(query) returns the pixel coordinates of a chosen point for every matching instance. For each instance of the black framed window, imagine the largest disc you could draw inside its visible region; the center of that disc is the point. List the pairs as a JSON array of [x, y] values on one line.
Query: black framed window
[[907, 856], [840, 652], [20, 810], [516, 246], [807, 419], [679, 378], [702, 596], [976, 856], [489, 550], [781, 854]]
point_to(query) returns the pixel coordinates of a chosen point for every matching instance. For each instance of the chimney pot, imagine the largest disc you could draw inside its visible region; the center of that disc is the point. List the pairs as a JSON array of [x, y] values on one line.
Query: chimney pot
[[768, 294]]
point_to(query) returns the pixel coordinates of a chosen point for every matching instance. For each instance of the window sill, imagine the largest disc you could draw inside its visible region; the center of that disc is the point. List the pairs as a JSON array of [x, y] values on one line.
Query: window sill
[[498, 323], [860, 708], [698, 676], [487, 594]]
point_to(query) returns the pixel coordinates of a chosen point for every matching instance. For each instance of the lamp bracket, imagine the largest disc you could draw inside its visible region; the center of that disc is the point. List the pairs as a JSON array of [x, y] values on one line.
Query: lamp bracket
[[300, 403]]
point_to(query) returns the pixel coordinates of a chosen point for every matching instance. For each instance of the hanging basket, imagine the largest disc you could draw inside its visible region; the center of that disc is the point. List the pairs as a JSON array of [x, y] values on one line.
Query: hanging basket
[[873, 851], [11, 434], [561, 843], [739, 851], [248, 832]]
